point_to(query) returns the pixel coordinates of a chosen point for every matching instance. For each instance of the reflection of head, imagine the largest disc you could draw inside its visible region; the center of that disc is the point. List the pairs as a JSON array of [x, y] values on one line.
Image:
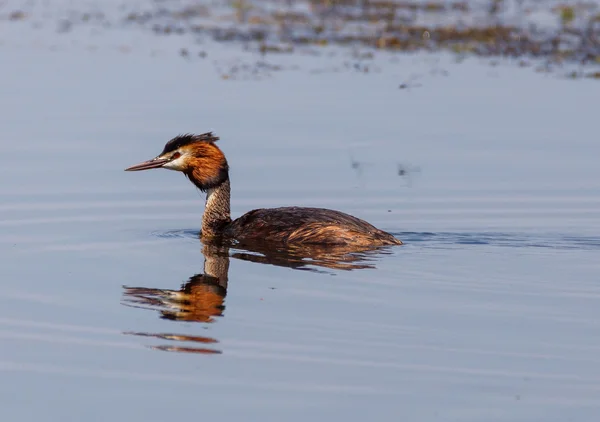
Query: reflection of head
[[200, 299]]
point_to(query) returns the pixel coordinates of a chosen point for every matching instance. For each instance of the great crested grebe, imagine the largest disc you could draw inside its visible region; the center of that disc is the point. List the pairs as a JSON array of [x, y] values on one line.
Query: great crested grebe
[[204, 164]]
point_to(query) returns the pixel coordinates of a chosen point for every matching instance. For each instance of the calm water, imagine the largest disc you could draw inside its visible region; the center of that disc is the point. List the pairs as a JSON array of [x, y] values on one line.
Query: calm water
[[489, 312]]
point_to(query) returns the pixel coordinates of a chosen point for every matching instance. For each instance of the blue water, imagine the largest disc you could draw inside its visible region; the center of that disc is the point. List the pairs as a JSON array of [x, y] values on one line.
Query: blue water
[[488, 312]]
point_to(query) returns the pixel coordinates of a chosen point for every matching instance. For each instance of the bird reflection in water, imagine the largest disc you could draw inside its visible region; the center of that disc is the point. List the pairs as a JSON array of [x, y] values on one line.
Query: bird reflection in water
[[201, 298]]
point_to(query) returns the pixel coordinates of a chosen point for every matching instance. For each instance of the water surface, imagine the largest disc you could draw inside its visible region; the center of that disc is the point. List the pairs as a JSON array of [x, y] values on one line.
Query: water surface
[[488, 312]]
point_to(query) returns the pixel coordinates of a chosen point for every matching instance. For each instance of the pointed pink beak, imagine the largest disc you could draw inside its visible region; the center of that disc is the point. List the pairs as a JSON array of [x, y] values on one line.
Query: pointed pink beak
[[150, 164]]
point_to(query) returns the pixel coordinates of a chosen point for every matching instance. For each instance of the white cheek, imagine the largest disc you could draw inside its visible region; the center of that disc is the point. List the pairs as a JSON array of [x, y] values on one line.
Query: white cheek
[[176, 164]]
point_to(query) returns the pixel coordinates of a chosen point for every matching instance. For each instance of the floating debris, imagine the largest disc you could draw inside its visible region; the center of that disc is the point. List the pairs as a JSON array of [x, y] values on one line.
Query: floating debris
[[406, 172], [410, 83], [17, 15]]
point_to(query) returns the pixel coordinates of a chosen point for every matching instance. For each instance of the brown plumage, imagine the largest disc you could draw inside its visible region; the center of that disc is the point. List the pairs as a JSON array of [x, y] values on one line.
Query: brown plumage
[[307, 226], [205, 165]]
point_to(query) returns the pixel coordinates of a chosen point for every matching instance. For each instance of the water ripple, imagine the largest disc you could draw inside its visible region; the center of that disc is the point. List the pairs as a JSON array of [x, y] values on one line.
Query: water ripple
[[515, 240], [177, 234]]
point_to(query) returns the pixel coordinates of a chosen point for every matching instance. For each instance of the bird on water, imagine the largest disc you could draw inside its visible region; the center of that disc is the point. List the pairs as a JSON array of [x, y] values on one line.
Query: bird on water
[[205, 165]]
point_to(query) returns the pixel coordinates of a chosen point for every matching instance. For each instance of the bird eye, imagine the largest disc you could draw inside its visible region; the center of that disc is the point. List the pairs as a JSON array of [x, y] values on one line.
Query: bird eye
[[175, 156]]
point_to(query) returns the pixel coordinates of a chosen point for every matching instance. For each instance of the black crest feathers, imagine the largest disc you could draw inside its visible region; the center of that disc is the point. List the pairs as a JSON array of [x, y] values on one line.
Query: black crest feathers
[[188, 138]]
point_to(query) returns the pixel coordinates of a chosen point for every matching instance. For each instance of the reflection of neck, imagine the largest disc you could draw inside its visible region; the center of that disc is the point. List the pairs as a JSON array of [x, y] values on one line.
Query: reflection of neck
[[217, 210], [216, 263]]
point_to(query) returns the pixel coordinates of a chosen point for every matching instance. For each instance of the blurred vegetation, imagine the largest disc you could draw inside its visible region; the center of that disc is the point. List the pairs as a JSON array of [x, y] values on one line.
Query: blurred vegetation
[[545, 33]]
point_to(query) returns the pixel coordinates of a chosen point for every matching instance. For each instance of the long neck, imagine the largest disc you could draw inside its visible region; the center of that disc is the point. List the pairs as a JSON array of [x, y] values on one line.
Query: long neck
[[217, 210]]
